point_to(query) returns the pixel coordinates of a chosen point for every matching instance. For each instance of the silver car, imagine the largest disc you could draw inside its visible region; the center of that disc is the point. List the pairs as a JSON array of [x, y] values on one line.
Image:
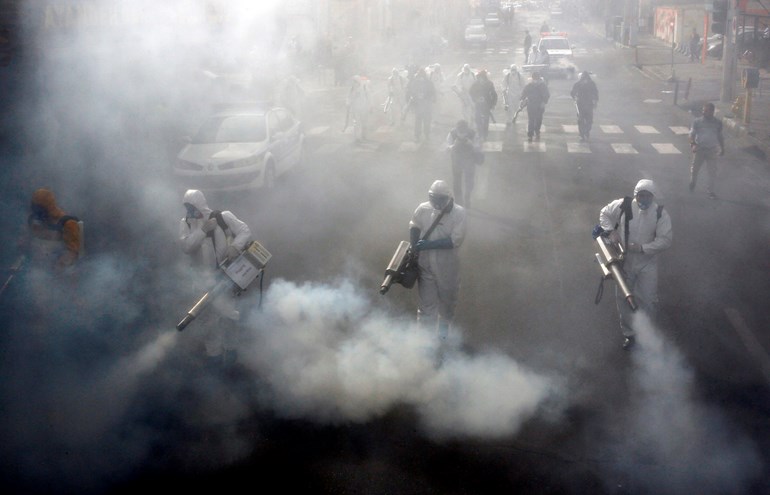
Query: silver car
[[241, 148]]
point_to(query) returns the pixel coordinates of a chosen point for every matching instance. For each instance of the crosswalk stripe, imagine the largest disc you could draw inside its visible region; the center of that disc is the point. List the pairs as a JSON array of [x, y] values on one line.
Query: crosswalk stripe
[[492, 146], [680, 129], [315, 131], [536, 147], [646, 129], [666, 148], [497, 126], [623, 148], [570, 128], [611, 129], [578, 148]]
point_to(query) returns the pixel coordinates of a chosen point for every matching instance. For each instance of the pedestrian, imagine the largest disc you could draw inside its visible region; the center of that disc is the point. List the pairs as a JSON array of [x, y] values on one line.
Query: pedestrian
[[484, 98], [707, 143], [510, 75], [534, 56], [643, 228], [464, 149], [394, 105], [694, 46], [527, 45], [536, 95], [211, 239], [437, 230], [421, 95], [586, 96], [359, 106], [463, 82]]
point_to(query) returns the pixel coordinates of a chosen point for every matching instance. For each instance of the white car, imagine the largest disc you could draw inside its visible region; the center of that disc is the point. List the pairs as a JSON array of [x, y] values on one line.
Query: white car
[[492, 19], [241, 148], [476, 36], [560, 57]]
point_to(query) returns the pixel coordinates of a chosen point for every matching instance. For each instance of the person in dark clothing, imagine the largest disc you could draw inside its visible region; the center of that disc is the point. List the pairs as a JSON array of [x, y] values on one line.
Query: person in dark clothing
[[527, 45], [586, 96], [484, 98], [420, 97], [536, 95]]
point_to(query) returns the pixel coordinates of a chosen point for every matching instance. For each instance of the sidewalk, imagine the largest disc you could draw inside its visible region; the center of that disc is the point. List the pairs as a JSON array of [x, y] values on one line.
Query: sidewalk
[[699, 83]]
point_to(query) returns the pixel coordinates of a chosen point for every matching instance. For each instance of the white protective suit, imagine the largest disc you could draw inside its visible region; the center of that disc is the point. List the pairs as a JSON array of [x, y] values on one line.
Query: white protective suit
[[206, 253], [439, 278], [463, 82], [654, 236], [359, 106]]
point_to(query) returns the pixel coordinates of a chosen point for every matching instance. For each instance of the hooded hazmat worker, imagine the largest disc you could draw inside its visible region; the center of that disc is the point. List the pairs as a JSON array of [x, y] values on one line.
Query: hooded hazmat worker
[[438, 282], [54, 239], [211, 238], [643, 228]]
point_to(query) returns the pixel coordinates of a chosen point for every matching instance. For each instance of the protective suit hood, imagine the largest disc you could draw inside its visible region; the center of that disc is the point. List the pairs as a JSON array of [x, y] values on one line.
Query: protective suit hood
[[646, 185], [198, 200], [45, 200], [441, 188]]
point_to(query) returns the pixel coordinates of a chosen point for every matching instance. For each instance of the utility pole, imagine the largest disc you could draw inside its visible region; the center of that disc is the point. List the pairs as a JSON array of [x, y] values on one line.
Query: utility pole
[[728, 56]]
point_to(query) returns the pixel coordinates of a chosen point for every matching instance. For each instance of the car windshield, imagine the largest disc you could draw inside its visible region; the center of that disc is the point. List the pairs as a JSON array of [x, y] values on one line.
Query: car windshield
[[554, 44], [232, 129], [475, 30]]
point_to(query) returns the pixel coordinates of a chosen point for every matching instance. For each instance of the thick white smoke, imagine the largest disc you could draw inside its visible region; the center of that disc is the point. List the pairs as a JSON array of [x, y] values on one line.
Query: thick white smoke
[[328, 356]]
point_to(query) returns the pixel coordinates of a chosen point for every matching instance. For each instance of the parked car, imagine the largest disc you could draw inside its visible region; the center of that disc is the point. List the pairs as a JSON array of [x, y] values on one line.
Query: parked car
[[492, 19], [560, 57], [743, 41], [476, 36], [241, 147]]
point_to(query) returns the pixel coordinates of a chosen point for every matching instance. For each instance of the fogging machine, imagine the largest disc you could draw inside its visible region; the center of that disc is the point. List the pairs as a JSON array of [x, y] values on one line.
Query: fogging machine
[[610, 257], [237, 275], [402, 268]]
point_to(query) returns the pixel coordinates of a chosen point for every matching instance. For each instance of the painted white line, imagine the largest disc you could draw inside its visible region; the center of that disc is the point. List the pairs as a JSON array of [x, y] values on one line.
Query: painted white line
[[653, 100], [678, 130], [570, 128], [611, 129], [317, 130], [624, 148], [750, 341], [666, 149], [492, 146], [537, 147], [578, 148], [497, 127], [646, 129]]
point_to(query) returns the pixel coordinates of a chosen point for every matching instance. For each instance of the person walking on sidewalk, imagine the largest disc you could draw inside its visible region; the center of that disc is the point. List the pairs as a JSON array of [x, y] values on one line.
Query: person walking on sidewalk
[[707, 143]]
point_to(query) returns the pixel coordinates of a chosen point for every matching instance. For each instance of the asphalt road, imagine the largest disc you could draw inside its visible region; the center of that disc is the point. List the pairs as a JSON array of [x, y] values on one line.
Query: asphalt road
[[337, 392]]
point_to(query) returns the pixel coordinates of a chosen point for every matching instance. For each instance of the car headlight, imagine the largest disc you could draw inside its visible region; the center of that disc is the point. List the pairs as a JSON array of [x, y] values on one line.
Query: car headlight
[[244, 162]]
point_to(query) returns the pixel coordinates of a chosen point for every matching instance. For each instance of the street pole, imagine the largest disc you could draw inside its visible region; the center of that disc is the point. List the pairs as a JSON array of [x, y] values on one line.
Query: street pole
[[727, 93], [673, 45]]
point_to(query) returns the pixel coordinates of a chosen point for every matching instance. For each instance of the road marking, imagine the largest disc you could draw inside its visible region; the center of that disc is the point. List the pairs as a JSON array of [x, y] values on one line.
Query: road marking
[[578, 148], [496, 127], [492, 146], [317, 130], [385, 129], [646, 129], [611, 129], [624, 148], [570, 128], [538, 147], [666, 149], [678, 130], [653, 100], [750, 341]]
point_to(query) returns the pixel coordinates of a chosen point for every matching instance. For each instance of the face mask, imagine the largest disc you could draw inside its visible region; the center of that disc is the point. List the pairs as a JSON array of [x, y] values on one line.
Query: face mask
[[192, 212], [643, 203], [438, 202]]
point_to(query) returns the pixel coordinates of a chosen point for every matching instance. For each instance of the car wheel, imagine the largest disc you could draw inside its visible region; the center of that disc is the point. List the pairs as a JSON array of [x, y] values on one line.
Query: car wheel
[[269, 181]]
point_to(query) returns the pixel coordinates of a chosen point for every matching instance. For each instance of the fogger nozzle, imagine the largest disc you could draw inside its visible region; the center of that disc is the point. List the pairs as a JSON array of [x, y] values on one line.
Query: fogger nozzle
[[611, 262]]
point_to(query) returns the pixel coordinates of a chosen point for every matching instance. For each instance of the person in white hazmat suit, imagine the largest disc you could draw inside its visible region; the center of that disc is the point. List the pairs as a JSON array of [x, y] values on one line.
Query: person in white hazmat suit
[[209, 240], [359, 107], [462, 86], [438, 282], [649, 233]]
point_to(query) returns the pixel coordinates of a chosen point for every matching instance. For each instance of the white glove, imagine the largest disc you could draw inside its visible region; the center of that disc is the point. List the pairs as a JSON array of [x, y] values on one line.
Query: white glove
[[209, 225], [232, 252], [635, 248]]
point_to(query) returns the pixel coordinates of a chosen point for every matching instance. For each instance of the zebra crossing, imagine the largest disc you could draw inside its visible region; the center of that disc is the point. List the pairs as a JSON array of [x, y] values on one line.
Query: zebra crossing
[[555, 137]]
